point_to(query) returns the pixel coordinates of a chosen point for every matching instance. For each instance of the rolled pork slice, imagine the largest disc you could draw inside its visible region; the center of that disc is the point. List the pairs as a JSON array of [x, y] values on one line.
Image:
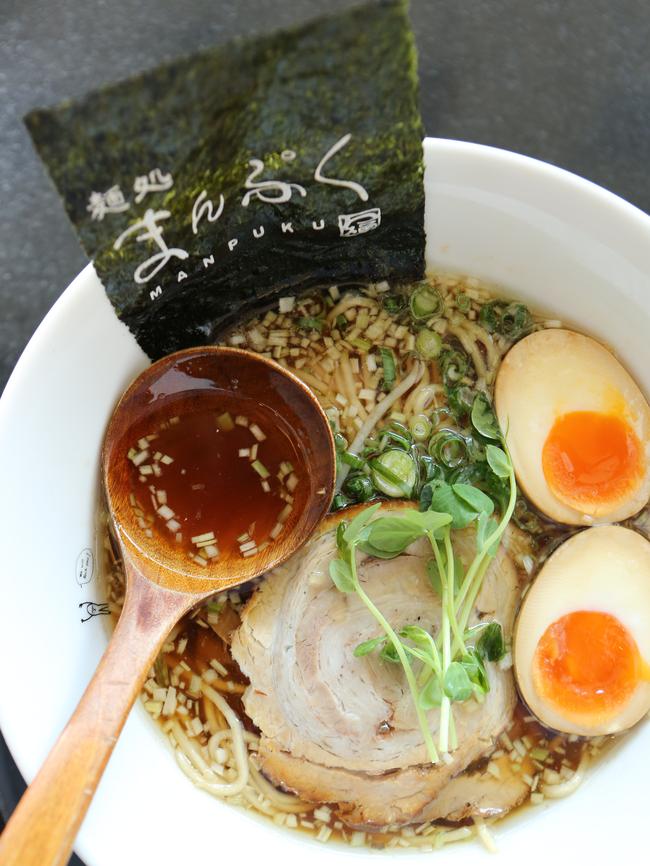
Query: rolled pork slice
[[477, 793], [343, 730]]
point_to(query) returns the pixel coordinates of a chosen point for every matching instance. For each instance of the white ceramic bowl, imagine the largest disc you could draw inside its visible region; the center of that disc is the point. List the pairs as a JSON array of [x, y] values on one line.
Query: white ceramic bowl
[[547, 237]]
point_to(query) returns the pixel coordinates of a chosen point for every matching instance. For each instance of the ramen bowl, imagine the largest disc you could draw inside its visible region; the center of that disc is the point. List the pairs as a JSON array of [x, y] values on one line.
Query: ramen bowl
[[540, 234]]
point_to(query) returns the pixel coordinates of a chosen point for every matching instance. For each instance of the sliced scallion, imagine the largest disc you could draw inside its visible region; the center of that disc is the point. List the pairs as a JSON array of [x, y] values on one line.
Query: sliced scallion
[[340, 442], [511, 320], [388, 363], [310, 323], [400, 428], [454, 364], [393, 437], [257, 432], [426, 303], [430, 470], [353, 460], [359, 487], [420, 427], [225, 422], [260, 468], [449, 448], [394, 473], [340, 501], [393, 304], [428, 344]]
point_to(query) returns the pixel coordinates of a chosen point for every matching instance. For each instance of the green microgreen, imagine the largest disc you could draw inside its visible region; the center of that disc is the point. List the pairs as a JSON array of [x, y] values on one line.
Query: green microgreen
[[368, 646], [447, 667], [343, 571], [483, 418], [491, 644]]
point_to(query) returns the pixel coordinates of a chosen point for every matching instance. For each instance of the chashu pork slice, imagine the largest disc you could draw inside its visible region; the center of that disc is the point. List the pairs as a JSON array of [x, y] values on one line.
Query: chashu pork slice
[[343, 730], [477, 793]]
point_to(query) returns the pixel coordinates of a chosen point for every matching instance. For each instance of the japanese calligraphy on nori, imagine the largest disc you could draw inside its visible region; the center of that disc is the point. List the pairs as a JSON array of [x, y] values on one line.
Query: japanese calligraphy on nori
[[251, 170]]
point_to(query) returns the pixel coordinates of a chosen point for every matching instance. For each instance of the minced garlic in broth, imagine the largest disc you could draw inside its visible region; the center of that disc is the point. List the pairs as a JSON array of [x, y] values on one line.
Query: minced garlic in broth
[[332, 340]]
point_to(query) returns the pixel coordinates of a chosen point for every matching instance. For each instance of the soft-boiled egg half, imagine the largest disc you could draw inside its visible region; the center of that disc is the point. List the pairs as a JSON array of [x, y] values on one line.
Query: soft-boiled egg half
[[581, 645], [577, 426]]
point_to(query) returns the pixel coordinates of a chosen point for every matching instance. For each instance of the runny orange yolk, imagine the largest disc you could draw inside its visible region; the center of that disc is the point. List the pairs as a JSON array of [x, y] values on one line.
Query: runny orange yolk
[[591, 459], [587, 664]]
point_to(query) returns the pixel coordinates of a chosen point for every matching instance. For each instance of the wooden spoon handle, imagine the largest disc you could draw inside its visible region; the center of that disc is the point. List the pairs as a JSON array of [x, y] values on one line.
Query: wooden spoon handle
[[42, 830]]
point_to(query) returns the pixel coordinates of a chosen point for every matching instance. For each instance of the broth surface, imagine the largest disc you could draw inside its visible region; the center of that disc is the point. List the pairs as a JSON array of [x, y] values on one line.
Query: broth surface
[[208, 468]]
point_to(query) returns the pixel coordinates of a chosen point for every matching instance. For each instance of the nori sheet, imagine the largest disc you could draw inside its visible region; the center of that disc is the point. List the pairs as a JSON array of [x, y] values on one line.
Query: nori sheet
[[202, 119]]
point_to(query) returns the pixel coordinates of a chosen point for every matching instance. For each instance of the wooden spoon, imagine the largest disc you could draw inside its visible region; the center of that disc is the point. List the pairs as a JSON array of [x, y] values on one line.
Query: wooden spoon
[[165, 579]]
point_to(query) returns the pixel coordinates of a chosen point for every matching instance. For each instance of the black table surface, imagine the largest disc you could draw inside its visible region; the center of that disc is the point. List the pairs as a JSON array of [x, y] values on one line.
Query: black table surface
[[566, 81]]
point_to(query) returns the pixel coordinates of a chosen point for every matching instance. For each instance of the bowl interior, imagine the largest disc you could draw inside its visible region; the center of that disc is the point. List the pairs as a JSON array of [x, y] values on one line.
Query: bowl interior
[[541, 234]]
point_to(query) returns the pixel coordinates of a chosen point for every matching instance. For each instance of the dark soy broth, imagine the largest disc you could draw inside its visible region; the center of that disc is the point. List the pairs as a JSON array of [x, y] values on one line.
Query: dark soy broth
[[213, 473]]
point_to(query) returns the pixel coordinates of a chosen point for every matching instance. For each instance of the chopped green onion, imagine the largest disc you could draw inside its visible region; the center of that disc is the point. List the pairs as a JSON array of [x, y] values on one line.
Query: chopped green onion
[[353, 460], [489, 316], [394, 473], [454, 365], [430, 470], [463, 302], [310, 323], [225, 422], [428, 344], [388, 363], [511, 320], [260, 468], [393, 304], [426, 302], [515, 321], [341, 322], [420, 427], [389, 436], [449, 448], [359, 488], [400, 428], [358, 343], [340, 501], [340, 442], [215, 606]]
